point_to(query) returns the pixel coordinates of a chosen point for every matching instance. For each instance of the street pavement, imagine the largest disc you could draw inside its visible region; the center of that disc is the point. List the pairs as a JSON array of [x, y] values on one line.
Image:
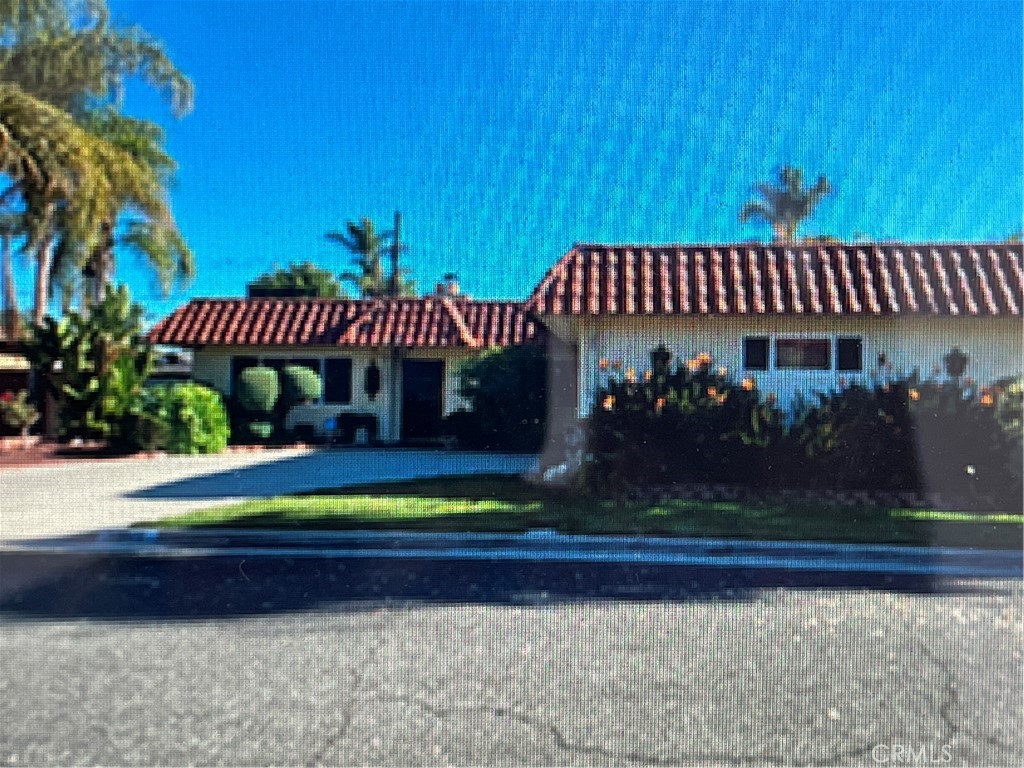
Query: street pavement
[[138, 648], [238, 659], [81, 496]]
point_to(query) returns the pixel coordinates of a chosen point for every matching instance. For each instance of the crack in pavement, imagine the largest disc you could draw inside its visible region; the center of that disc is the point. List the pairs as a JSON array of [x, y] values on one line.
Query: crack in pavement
[[566, 745], [951, 700], [950, 697], [347, 715]]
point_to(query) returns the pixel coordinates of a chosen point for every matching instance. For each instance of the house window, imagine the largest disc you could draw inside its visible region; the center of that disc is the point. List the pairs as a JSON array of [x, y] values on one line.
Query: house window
[[849, 354], [805, 354], [755, 354], [239, 364], [337, 380], [312, 363], [277, 363]]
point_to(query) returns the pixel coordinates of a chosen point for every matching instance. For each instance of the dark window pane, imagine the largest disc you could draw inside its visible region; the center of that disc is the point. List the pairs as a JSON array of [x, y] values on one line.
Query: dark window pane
[[337, 380], [810, 354], [755, 354], [849, 355], [239, 364], [277, 363]]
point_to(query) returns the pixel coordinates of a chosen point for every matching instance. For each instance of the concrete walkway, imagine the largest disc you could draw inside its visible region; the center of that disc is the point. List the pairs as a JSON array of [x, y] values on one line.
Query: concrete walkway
[[90, 495]]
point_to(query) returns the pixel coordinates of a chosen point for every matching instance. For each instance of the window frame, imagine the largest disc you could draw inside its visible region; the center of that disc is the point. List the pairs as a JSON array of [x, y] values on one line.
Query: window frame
[[767, 340], [839, 342], [834, 342], [351, 377]]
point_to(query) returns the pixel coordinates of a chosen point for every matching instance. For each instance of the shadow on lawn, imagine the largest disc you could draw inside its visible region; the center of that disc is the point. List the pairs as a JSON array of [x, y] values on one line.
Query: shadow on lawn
[[186, 588]]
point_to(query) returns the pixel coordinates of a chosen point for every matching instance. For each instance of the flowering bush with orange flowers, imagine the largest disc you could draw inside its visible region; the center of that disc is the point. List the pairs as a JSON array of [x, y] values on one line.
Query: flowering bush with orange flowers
[[935, 436], [695, 425], [690, 424]]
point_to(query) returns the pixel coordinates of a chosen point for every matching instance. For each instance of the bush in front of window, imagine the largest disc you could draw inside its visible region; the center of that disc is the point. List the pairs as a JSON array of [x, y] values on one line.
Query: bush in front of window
[[695, 424], [258, 391], [299, 385], [941, 438], [855, 438]]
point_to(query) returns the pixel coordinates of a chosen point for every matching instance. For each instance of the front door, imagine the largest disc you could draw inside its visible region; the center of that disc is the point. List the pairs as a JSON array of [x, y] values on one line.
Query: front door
[[422, 399]]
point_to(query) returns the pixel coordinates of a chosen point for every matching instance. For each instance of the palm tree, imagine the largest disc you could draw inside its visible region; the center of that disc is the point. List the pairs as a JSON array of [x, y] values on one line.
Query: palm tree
[[367, 247], [139, 177], [10, 228], [787, 205], [66, 149]]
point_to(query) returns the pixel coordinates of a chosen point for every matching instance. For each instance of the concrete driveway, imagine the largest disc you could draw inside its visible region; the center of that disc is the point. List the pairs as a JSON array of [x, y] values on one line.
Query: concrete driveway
[[88, 495]]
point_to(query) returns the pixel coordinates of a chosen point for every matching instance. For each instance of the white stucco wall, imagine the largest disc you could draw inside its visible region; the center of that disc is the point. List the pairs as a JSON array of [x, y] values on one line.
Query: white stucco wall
[[213, 366], [993, 345]]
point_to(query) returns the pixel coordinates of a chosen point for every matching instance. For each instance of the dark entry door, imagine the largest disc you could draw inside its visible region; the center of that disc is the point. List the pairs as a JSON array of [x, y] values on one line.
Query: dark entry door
[[422, 398]]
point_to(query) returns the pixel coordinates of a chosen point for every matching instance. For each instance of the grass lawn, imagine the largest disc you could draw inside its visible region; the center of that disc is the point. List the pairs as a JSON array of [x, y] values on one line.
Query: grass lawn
[[500, 503]]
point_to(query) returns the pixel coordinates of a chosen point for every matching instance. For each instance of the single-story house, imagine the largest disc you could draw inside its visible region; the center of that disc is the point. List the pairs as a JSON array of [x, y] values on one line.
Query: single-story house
[[797, 319], [392, 362], [794, 318]]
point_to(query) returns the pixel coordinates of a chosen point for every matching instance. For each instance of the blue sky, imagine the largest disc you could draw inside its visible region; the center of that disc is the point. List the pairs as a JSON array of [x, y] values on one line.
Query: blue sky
[[505, 132]]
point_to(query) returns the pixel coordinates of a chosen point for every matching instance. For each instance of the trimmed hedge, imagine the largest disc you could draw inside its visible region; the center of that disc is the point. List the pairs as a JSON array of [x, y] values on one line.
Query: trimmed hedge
[[299, 384], [258, 389]]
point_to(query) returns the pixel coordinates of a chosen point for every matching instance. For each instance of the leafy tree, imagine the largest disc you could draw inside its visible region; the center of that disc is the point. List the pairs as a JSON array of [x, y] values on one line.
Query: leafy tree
[[367, 247], [507, 391], [74, 162], [94, 366], [787, 205], [304, 279]]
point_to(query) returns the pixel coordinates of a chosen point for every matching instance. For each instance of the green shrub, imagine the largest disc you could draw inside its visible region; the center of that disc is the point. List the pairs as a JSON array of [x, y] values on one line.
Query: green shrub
[[299, 384], [696, 425], [1008, 397], [258, 390], [94, 366], [185, 418], [962, 450], [855, 438], [507, 392], [693, 425], [261, 430], [17, 414]]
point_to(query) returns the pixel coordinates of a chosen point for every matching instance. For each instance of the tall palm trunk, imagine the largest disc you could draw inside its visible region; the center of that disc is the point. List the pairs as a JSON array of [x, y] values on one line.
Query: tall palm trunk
[[102, 267], [10, 295], [44, 267]]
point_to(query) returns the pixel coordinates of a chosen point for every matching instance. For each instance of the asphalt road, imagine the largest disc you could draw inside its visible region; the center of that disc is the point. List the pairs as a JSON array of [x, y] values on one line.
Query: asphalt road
[[240, 660]]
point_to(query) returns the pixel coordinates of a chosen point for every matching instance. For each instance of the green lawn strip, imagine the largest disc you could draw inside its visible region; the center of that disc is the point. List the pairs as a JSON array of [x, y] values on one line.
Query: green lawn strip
[[509, 504]]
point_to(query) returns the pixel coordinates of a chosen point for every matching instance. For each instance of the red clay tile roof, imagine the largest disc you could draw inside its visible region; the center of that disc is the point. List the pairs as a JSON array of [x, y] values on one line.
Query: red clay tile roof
[[426, 322], [832, 279]]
